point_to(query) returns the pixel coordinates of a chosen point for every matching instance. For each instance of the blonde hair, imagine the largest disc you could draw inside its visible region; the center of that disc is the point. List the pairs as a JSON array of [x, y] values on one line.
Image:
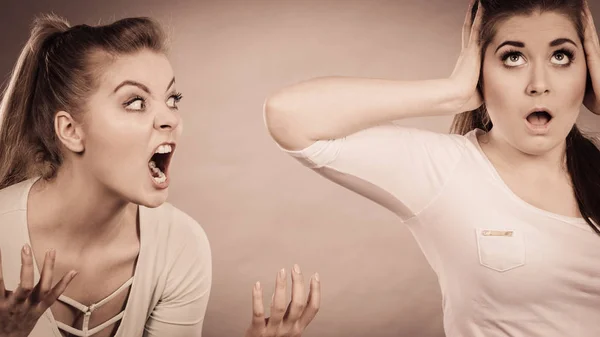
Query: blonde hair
[[56, 71]]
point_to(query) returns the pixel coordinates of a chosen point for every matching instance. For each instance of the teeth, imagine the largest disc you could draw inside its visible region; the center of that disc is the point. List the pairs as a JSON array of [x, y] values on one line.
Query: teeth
[[164, 149], [161, 176]]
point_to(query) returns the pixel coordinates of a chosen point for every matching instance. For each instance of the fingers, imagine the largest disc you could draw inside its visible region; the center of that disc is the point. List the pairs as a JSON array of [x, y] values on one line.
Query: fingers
[[26, 286], [466, 31], [297, 304], [46, 276], [591, 35], [278, 305], [314, 302], [258, 309], [476, 27], [472, 24], [299, 313], [591, 47], [58, 289], [2, 288]]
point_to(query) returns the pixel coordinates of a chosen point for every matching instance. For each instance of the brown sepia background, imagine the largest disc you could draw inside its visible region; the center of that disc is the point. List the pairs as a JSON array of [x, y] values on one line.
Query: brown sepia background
[[261, 210]]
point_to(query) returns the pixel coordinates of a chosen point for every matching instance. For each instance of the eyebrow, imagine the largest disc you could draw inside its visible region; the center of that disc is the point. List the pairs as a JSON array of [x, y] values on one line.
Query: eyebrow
[[140, 85], [519, 44]]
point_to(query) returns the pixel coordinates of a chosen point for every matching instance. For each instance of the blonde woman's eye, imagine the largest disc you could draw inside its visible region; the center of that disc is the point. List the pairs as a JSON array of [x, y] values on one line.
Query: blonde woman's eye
[[173, 100], [137, 103]]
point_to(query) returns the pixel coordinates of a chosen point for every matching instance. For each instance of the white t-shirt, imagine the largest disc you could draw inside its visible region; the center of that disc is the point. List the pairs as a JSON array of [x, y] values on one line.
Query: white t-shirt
[[505, 267], [172, 280]]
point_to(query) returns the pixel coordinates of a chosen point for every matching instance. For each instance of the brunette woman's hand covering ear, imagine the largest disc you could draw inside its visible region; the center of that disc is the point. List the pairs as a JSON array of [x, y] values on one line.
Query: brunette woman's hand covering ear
[[591, 46], [466, 73]]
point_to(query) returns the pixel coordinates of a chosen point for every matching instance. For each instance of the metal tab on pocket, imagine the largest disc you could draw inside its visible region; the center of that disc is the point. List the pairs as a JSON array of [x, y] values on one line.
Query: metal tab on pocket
[[488, 232], [501, 249]]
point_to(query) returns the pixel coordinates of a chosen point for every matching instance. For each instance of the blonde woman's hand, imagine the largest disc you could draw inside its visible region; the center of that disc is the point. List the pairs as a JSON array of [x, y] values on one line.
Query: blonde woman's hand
[[465, 75], [288, 321], [591, 46], [20, 309]]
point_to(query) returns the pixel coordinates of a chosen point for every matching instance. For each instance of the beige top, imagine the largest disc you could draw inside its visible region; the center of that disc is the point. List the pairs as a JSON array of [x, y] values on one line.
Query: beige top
[[172, 280], [505, 267]]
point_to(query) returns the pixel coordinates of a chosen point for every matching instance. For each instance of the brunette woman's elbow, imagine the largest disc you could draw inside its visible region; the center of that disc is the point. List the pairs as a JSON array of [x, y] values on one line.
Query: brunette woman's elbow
[[283, 124]]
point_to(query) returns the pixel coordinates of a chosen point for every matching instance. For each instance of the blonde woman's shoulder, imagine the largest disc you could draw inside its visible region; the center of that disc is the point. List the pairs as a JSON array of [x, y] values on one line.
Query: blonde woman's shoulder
[[14, 197]]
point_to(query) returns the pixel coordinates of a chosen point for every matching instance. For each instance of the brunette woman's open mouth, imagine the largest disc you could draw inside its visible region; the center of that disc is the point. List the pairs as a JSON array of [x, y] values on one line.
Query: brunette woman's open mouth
[[538, 120], [158, 165]]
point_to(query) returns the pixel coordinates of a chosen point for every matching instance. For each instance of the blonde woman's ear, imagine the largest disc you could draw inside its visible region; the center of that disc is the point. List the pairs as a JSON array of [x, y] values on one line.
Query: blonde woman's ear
[[69, 132]]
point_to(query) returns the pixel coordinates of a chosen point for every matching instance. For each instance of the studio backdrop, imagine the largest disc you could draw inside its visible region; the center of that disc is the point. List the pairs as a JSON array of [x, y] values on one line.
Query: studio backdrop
[[261, 210]]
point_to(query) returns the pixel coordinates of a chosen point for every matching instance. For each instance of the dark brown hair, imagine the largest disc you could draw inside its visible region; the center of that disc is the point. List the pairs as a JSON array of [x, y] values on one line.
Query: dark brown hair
[[57, 70], [582, 154]]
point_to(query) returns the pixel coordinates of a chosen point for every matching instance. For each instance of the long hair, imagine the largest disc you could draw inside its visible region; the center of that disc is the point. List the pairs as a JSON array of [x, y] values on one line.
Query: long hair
[[56, 71], [582, 154]]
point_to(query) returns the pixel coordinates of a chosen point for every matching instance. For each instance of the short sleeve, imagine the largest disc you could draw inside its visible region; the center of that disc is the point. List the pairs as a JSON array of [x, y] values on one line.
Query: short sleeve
[[181, 309], [401, 168]]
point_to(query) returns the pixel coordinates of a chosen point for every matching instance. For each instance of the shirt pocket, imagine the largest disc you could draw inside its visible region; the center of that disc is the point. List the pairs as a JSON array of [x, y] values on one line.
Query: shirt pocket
[[500, 249]]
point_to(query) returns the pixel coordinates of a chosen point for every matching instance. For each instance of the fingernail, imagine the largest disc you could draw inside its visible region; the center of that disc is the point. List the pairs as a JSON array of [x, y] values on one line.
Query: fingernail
[[282, 273], [26, 249], [317, 277], [257, 286], [52, 253], [297, 269], [73, 274]]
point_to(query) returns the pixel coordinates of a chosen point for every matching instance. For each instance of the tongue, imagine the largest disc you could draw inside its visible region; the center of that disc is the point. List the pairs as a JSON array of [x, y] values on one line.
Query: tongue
[[538, 118]]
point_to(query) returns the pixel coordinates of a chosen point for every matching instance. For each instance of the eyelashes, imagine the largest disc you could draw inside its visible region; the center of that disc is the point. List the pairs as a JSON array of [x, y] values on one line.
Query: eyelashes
[[135, 99], [569, 53], [177, 96], [509, 53], [138, 103], [176, 99], [512, 54]]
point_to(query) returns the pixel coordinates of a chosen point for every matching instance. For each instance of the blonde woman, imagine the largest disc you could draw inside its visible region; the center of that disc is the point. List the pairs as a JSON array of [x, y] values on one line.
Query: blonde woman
[[90, 124]]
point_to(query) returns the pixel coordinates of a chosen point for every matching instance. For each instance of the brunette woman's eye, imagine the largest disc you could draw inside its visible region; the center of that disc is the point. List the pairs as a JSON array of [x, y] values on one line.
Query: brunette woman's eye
[[512, 58], [563, 57]]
